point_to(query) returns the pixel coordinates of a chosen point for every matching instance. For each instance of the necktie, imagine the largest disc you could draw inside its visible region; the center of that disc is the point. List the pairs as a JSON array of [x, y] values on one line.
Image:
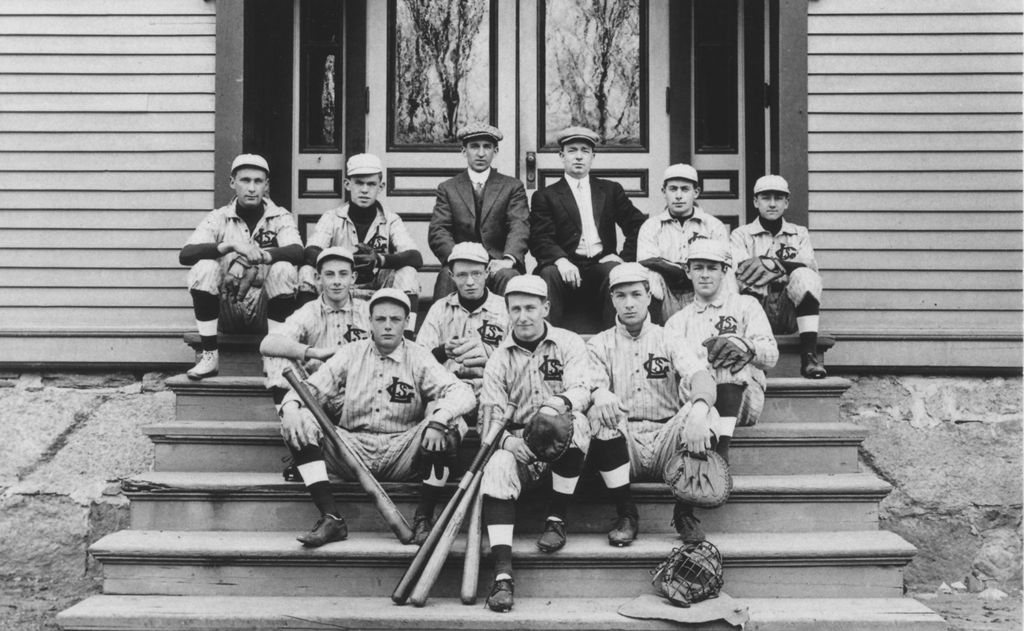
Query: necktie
[[478, 198]]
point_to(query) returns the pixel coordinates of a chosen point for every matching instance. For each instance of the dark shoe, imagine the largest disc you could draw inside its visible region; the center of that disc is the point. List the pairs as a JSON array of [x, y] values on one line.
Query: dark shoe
[[553, 537], [624, 532], [326, 529], [421, 525], [500, 599], [687, 525], [811, 367]]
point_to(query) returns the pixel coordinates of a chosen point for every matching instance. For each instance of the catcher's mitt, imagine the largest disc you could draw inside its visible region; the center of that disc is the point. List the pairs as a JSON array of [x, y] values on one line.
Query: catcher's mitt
[[728, 351], [758, 271], [549, 435], [690, 574], [366, 263], [240, 278], [780, 310], [700, 480]]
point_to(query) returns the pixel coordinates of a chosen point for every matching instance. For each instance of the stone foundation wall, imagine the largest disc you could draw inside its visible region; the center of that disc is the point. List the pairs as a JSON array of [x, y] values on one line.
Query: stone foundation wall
[[951, 447]]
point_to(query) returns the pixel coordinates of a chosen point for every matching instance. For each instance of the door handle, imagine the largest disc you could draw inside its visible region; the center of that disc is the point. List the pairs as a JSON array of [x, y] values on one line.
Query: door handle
[[531, 169]]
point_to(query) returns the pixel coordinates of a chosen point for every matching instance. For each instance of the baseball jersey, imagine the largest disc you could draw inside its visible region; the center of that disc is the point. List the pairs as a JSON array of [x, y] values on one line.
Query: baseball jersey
[[447, 318], [729, 314], [792, 243], [386, 394], [387, 233], [663, 236], [276, 228], [317, 324], [558, 366], [650, 373]]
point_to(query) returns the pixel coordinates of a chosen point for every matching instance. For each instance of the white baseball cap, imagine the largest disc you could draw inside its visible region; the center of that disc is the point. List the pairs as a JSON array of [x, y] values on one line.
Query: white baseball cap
[[775, 183], [390, 294], [469, 251], [628, 273], [527, 284], [709, 250], [680, 171], [336, 252], [363, 164], [250, 160]]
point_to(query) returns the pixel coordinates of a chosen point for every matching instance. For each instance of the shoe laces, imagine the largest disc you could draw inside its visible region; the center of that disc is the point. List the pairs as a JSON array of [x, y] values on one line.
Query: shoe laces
[[555, 525]]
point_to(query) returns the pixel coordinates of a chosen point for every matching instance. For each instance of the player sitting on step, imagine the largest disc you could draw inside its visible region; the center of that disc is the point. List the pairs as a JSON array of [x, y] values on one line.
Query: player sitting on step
[[775, 264], [653, 394], [379, 390]]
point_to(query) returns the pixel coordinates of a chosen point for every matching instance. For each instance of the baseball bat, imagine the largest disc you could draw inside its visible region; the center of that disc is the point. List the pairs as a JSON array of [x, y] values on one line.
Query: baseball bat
[[471, 563], [350, 457], [405, 586]]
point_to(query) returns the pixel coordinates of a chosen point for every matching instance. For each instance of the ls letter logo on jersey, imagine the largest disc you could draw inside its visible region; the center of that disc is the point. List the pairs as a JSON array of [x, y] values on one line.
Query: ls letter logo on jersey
[[354, 334], [490, 333], [400, 391], [551, 368], [656, 367], [785, 252], [266, 239], [694, 237], [378, 243], [726, 324]]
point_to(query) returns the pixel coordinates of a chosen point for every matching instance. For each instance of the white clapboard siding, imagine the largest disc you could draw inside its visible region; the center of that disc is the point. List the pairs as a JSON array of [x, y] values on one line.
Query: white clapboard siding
[[915, 183], [106, 161]]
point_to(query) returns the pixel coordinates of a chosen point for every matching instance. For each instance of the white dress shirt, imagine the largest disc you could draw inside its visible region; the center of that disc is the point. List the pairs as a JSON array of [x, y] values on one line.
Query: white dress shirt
[[590, 240]]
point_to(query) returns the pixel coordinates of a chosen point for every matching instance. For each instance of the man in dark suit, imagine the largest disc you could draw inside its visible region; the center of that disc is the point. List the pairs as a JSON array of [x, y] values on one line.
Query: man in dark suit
[[572, 231], [481, 205]]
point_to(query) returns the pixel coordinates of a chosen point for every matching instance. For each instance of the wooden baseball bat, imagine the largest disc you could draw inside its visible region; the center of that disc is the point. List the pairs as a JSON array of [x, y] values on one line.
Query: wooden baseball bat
[[405, 586], [350, 457], [471, 563]]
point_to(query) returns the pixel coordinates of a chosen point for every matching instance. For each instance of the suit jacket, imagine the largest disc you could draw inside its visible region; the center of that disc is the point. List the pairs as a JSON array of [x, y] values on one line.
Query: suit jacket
[[555, 226], [504, 220]]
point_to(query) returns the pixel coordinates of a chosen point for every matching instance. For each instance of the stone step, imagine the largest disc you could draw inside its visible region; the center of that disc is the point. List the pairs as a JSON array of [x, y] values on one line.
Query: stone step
[[778, 448], [789, 399], [857, 564], [216, 613], [264, 501], [239, 354]]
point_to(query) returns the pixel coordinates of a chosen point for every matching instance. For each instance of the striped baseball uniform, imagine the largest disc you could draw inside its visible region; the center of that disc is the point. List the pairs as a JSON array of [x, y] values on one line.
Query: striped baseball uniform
[[513, 374], [742, 316], [317, 324], [276, 228], [447, 318], [791, 244], [651, 375], [381, 400], [387, 234], [663, 236]]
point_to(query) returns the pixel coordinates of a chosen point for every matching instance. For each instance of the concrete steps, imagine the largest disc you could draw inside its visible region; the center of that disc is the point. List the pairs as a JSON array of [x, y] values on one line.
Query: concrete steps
[[234, 398], [263, 501], [861, 564], [777, 448], [216, 613]]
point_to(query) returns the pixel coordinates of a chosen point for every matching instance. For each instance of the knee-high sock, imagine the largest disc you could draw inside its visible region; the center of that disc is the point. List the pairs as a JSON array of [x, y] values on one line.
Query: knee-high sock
[[207, 310], [612, 460], [430, 490], [310, 462], [278, 310], [500, 517], [565, 473], [807, 323]]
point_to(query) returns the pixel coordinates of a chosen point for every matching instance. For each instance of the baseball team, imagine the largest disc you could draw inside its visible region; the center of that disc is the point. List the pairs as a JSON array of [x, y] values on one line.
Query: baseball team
[[688, 317]]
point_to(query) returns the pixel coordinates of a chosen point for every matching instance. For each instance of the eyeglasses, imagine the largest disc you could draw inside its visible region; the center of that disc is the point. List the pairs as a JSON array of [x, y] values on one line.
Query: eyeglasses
[[475, 275]]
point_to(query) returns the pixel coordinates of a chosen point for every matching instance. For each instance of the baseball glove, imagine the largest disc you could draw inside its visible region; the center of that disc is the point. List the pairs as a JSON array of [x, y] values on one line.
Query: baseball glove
[[239, 279], [780, 310], [690, 574], [728, 351], [699, 480], [366, 263], [549, 435], [758, 271]]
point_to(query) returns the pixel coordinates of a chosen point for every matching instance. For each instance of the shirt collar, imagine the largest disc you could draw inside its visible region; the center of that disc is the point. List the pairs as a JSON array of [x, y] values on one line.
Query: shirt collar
[[452, 300], [701, 306], [574, 183], [698, 215], [326, 308], [479, 178], [342, 211], [787, 228], [510, 340], [397, 355]]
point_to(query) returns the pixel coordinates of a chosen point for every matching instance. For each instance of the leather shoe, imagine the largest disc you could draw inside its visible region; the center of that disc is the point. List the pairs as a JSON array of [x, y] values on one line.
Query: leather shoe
[[625, 530], [553, 537], [686, 524], [500, 599], [421, 525], [811, 367], [326, 529]]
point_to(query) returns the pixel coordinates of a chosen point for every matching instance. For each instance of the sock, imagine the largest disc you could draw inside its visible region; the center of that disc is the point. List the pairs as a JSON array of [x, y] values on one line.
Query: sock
[[722, 446], [612, 460], [430, 490], [311, 465], [807, 315], [500, 517], [323, 498], [565, 473], [207, 311], [279, 308], [277, 393]]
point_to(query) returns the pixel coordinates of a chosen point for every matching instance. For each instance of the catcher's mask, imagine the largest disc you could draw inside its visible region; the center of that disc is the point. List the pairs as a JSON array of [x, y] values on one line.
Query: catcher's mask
[[549, 435], [690, 574], [699, 479]]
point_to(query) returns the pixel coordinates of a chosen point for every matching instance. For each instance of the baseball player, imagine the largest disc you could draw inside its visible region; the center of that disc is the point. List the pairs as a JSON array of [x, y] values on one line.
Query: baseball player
[[318, 329], [665, 238], [379, 389], [653, 395], [776, 265], [243, 259], [482, 205], [385, 253], [463, 328], [541, 369]]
